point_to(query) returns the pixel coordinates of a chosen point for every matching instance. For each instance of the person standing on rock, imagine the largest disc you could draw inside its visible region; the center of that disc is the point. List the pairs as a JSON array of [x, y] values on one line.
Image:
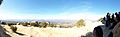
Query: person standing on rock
[[117, 17], [107, 20], [113, 22]]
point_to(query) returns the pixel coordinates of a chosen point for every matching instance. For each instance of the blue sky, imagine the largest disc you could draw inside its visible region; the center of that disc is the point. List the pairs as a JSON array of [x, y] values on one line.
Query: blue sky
[[57, 9]]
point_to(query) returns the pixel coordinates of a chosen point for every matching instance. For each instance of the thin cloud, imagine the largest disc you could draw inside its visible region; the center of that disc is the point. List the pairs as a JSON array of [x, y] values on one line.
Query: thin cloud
[[73, 13], [65, 16]]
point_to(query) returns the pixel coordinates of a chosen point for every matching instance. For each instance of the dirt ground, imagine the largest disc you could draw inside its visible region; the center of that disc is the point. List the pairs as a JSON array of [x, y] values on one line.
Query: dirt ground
[[23, 31]]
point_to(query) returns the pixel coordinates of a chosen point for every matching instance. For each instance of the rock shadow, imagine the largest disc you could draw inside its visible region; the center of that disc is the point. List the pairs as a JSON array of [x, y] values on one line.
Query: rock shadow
[[19, 33]]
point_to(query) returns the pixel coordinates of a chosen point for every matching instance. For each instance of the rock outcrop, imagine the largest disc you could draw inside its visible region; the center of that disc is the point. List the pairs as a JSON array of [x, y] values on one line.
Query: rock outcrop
[[3, 33], [116, 30]]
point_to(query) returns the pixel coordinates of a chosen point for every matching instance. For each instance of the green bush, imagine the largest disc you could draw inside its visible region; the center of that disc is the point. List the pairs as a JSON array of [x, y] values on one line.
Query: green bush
[[102, 20], [14, 28], [52, 25], [43, 24], [3, 23], [25, 24], [80, 23], [9, 24]]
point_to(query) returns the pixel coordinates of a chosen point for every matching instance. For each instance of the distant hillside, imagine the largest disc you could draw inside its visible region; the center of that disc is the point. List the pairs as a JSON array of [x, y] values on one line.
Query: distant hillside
[[55, 21]]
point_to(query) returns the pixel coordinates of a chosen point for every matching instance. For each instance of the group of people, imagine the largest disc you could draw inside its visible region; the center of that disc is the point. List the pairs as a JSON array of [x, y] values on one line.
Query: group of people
[[111, 22]]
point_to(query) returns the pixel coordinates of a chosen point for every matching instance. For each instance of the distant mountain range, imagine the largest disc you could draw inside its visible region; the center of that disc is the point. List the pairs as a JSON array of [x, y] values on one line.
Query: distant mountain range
[[55, 21]]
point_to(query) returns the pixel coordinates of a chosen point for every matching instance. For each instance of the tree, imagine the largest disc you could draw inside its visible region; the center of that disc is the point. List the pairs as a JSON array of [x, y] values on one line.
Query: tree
[[14, 28], [80, 23], [101, 20]]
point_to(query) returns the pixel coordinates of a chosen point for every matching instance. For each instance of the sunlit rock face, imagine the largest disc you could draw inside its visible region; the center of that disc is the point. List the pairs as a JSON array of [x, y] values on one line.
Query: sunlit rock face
[[116, 30], [3, 33]]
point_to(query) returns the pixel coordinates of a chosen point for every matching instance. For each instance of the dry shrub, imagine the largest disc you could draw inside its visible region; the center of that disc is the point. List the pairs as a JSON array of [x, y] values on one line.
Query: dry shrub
[[52, 25], [43, 24], [34, 24], [9, 24], [14, 28], [80, 23], [25, 24]]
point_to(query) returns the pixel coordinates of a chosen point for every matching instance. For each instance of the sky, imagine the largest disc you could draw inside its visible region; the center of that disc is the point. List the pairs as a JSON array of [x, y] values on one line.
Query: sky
[[57, 9]]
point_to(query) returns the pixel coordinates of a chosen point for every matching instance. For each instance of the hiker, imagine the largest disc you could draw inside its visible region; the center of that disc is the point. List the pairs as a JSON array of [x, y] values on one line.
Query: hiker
[[112, 19], [107, 20], [116, 20], [113, 22], [117, 17], [98, 32]]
